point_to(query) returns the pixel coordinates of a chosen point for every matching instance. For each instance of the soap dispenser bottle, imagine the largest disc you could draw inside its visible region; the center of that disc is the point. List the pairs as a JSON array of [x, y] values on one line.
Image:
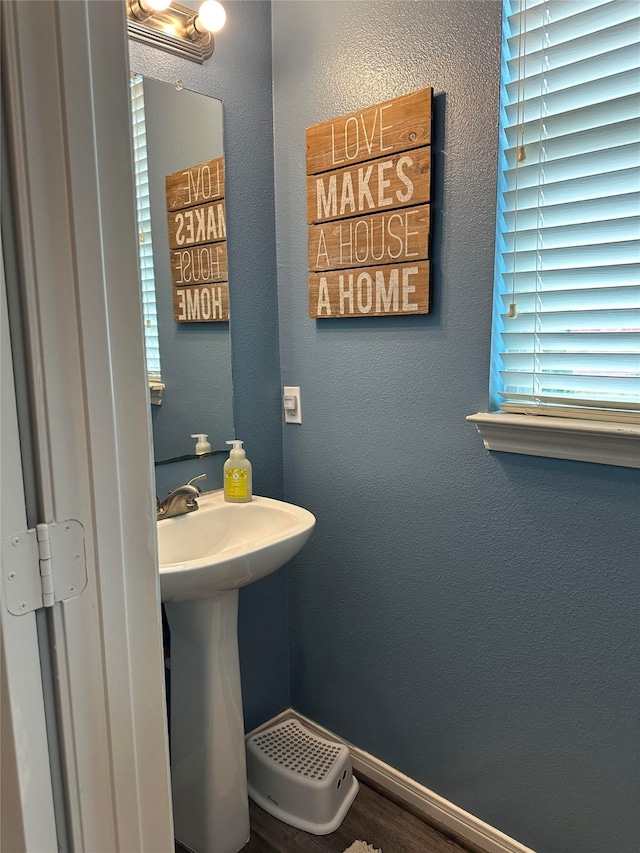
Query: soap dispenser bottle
[[202, 445], [237, 475]]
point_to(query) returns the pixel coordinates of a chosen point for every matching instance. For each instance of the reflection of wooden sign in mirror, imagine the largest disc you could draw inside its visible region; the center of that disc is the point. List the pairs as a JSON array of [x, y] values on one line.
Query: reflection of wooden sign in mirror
[[368, 209], [198, 243]]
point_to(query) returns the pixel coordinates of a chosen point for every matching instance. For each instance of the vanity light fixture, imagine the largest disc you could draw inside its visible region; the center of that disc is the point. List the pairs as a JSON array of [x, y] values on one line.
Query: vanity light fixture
[[174, 28]]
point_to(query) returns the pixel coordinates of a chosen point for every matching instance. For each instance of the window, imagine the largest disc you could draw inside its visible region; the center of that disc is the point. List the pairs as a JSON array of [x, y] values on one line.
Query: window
[[145, 245], [566, 337]]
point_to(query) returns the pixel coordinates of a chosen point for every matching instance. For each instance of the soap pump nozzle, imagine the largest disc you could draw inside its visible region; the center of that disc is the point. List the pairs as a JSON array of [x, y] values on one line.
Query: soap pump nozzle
[[237, 451], [202, 445]]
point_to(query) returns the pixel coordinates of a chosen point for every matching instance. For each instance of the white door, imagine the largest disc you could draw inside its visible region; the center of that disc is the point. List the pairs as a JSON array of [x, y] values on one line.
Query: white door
[[65, 79]]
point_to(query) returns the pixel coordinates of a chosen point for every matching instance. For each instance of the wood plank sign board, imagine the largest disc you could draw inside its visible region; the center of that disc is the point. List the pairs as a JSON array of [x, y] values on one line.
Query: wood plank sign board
[[198, 243], [368, 210]]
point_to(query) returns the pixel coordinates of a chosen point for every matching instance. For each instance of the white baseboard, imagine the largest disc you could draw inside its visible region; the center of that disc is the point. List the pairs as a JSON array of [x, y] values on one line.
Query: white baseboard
[[433, 808]]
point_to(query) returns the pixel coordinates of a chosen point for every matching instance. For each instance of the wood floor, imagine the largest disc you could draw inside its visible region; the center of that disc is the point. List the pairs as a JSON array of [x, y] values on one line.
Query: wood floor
[[372, 818]]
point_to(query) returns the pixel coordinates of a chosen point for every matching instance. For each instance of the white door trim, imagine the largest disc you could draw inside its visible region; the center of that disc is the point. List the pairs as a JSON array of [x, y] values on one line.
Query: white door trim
[[25, 781], [66, 74]]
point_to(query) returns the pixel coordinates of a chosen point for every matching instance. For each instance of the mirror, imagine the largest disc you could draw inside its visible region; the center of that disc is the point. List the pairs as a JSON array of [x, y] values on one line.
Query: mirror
[[183, 130]]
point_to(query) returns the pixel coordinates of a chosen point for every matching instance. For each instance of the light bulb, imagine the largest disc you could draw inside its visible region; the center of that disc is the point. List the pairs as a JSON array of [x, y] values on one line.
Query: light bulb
[[143, 9], [211, 16]]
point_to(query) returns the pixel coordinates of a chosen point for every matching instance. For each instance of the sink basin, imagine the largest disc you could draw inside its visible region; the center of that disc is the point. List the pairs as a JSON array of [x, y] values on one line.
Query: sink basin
[[223, 546]]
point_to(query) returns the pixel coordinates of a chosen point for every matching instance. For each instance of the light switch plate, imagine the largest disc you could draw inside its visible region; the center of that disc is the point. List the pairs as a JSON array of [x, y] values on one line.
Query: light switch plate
[[292, 416]]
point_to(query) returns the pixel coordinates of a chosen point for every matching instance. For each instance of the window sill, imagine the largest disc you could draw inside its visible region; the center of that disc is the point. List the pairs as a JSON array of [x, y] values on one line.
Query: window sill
[[156, 392], [608, 443]]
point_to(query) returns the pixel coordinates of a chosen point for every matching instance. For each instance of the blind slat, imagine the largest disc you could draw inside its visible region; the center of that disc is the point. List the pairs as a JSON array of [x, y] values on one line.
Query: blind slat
[[621, 298], [625, 365], [624, 229], [590, 187], [620, 388], [576, 120], [575, 257], [574, 166], [586, 94], [622, 275], [602, 342], [607, 209], [601, 139], [604, 320]]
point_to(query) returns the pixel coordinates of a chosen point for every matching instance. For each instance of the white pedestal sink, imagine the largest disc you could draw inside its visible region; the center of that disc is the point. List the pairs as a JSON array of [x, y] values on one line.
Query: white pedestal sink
[[205, 557]]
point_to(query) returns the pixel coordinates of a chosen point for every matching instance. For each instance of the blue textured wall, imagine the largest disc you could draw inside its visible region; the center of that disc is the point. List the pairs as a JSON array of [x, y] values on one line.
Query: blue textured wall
[[239, 73], [470, 618]]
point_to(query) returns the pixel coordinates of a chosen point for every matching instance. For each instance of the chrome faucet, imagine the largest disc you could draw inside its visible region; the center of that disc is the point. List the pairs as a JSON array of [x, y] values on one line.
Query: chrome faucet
[[180, 500]]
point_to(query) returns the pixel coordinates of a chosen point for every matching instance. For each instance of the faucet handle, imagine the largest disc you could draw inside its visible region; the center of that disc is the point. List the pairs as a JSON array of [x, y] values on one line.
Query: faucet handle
[[195, 480]]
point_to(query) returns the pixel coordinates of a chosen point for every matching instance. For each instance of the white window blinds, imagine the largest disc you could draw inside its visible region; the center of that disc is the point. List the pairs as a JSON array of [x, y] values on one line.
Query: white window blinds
[[145, 245], [567, 317]]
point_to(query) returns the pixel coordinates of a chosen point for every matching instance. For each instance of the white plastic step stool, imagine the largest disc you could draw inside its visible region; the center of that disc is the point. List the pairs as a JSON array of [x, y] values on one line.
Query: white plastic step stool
[[300, 778]]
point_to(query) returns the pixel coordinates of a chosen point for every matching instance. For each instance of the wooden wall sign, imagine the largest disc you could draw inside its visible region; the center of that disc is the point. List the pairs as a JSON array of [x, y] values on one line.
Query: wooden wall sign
[[368, 210], [198, 243]]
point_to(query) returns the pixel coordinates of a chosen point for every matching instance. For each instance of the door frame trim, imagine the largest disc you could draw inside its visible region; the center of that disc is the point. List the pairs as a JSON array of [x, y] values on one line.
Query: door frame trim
[[65, 75]]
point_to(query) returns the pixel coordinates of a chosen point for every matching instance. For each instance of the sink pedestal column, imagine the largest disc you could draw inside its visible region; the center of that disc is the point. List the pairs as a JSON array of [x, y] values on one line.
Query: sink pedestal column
[[208, 765]]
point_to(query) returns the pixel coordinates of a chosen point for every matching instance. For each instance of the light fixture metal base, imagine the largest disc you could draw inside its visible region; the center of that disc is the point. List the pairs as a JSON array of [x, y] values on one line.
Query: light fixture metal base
[[168, 30]]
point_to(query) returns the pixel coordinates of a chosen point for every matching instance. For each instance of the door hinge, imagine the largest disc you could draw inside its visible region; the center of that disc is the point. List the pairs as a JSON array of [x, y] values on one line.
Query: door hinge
[[43, 565]]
